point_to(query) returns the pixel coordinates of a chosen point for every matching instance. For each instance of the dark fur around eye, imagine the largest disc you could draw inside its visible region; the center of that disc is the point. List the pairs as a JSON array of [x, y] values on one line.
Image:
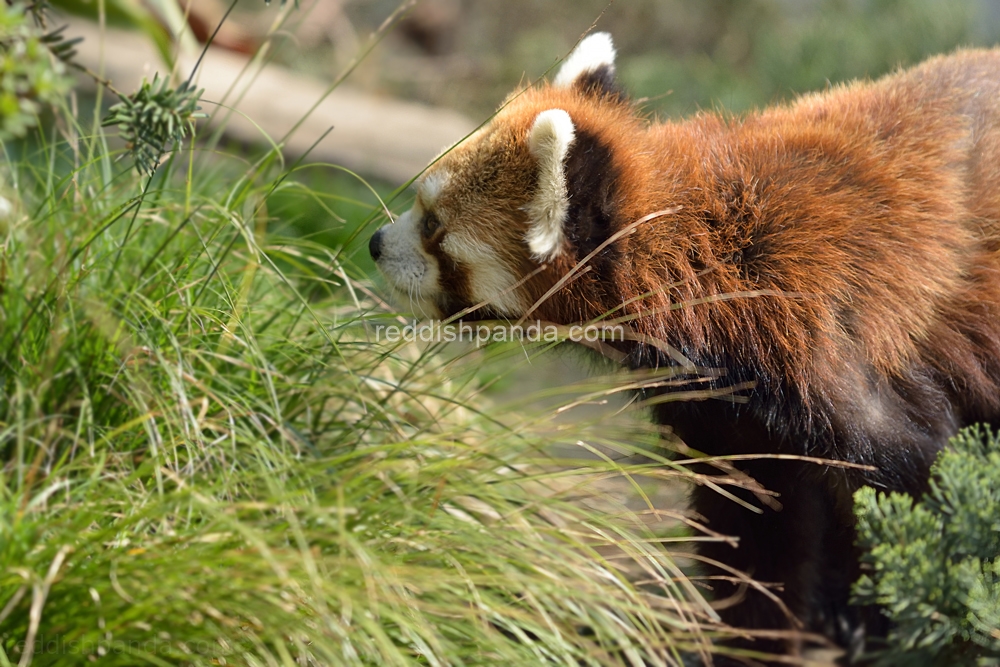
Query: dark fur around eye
[[429, 224]]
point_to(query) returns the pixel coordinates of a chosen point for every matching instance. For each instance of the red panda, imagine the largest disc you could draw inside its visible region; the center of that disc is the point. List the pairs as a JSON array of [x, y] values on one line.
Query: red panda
[[839, 255]]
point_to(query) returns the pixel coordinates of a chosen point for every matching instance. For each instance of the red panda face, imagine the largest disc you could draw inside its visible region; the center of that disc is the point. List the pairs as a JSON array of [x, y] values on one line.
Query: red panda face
[[458, 246], [487, 234]]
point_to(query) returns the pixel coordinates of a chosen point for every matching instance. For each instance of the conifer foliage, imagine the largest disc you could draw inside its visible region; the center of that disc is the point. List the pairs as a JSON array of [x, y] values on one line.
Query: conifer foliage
[[154, 118], [934, 564]]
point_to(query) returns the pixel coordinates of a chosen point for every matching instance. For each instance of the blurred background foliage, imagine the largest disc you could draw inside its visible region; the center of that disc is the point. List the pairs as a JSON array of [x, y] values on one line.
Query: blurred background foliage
[[682, 55]]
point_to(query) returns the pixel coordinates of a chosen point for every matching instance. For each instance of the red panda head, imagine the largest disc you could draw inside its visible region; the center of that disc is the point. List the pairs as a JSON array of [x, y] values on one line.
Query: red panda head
[[501, 218]]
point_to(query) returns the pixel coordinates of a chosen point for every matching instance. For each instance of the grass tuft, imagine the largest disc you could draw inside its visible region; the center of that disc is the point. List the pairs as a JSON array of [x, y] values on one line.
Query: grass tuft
[[205, 461]]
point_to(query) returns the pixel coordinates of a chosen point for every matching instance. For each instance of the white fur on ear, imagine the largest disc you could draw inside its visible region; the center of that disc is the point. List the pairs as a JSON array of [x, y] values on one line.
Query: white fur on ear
[[549, 140], [594, 52]]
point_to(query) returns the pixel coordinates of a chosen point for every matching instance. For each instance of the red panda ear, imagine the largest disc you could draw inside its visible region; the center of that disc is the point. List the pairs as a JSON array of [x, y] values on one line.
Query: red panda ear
[[549, 141], [590, 67]]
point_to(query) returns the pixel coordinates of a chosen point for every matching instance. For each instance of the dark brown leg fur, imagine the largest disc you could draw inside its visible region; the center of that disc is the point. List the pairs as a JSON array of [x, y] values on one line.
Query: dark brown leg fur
[[800, 546], [801, 542]]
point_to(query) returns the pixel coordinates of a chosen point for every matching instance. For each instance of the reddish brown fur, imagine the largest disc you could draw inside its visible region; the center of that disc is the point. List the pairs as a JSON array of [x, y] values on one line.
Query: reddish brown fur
[[870, 196], [865, 223]]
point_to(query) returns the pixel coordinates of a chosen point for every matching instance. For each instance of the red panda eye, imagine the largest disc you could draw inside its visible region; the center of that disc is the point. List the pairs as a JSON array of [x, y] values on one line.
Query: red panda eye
[[429, 224]]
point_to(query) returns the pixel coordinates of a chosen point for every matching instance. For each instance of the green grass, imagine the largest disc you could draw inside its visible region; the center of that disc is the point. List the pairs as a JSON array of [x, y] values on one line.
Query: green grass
[[206, 460]]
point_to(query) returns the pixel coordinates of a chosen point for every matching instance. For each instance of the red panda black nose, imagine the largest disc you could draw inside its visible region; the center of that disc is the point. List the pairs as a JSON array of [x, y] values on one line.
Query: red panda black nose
[[375, 245]]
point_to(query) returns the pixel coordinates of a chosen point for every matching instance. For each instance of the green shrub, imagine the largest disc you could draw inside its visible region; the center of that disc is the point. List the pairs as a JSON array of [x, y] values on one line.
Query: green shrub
[[30, 77], [934, 565]]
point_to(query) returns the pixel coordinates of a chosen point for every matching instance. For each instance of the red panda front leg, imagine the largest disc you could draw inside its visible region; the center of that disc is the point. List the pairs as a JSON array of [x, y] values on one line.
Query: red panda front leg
[[797, 544], [798, 550]]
